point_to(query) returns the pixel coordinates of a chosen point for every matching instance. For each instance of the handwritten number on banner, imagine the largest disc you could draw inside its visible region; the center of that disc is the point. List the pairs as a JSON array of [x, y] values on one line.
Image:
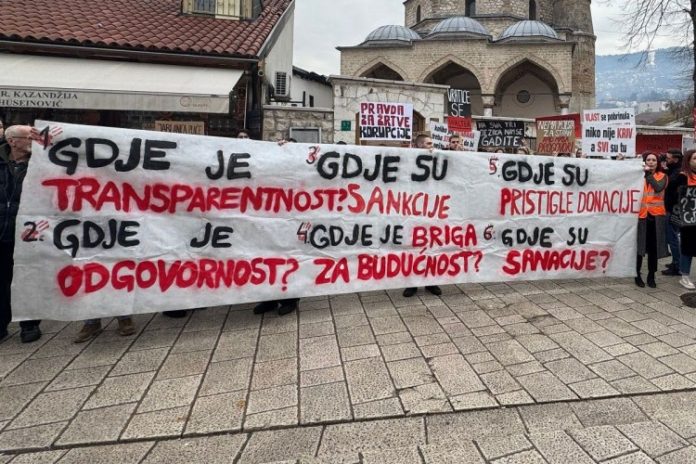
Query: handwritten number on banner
[[492, 165], [313, 153], [303, 231], [45, 136], [33, 231], [488, 232]]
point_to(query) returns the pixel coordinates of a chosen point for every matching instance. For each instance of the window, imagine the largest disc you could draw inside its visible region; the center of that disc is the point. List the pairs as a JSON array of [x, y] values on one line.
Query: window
[[281, 84], [311, 101], [306, 134], [532, 10], [204, 6], [418, 14], [470, 8]]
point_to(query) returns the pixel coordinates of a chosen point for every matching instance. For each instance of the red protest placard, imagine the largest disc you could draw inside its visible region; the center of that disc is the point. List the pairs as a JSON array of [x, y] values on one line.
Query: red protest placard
[[458, 124], [658, 143]]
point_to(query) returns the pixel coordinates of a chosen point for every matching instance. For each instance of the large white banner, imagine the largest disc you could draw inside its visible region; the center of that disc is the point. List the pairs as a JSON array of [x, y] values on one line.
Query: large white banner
[[119, 221], [608, 133]]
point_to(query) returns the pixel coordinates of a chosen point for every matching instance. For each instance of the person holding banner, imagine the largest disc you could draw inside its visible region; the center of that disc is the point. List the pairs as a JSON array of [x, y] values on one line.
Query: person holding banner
[[674, 161], [652, 220], [423, 141], [13, 169], [684, 208]]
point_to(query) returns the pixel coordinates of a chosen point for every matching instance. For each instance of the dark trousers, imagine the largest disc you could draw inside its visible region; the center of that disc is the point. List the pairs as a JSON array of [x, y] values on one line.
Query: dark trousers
[[6, 265], [651, 248], [673, 242]]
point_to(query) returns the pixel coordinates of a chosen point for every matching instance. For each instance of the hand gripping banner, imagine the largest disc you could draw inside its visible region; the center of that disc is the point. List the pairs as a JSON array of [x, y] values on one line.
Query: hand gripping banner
[[117, 221]]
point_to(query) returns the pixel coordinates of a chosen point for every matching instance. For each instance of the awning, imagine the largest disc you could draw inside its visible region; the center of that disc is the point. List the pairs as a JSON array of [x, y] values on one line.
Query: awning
[[73, 83]]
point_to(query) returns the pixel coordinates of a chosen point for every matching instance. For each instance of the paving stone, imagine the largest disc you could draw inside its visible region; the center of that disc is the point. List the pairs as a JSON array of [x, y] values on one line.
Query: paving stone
[[169, 394], [672, 382], [393, 339], [227, 376], [548, 418], [317, 329], [321, 376], [551, 355], [621, 349], [500, 382], [665, 405], [652, 437], [380, 408], [652, 327], [368, 380], [274, 373], [157, 424], [525, 457], [196, 341], [464, 452], [126, 453], [640, 339], [354, 336], [569, 370], [544, 386], [350, 320], [676, 340], [272, 398], [536, 343], [475, 400], [424, 399], [634, 385], [155, 339], [16, 397], [43, 457], [611, 370], [52, 407], [100, 354], [38, 437], [473, 425], [36, 370], [318, 353], [394, 456], [593, 388], [241, 320], [679, 457], [525, 368], [324, 403], [558, 448], [645, 365], [442, 349], [510, 352], [276, 418], [217, 413], [681, 363], [633, 458], [235, 345], [211, 450], [314, 316], [410, 372], [400, 351], [120, 390], [608, 412], [97, 425], [275, 324], [468, 345], [603, 442], [372, 436], [520, 397], [580, 347], [455, 375], [277, 445], [360, 352], [184, 365], [496, 447], [387, 325]]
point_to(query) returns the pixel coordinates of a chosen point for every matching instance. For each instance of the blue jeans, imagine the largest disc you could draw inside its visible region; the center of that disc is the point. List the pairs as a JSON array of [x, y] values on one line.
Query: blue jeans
[[673, 242], [97, 321], [685, 265]]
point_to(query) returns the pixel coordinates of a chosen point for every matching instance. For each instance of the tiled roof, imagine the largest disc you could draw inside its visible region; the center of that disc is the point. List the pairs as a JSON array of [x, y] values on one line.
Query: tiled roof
[[149, 25]]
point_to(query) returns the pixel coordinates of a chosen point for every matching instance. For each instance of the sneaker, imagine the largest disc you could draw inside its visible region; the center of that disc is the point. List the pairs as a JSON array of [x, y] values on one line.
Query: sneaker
[[409, 292], [88, 332], [434, 289], [670, 271], [286, 307], [30, 334], [686, 283], [265, 307], [126, 327]]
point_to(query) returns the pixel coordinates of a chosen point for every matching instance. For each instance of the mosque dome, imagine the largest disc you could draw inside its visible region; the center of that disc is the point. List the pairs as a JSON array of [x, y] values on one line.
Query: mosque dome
[[529, 30], [392, 33], [460, 25]]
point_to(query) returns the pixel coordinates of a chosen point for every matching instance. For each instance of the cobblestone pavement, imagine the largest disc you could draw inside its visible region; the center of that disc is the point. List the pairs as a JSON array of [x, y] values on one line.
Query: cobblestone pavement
[[372, 372]]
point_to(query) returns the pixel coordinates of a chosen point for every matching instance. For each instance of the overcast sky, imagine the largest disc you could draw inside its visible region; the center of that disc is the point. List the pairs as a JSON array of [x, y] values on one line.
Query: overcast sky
[[322, 25]]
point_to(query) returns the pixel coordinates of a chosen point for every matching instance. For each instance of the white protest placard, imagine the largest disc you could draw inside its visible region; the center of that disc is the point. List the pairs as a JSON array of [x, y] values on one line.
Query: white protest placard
[[118, 221], [470, 140], [441, 137], [610, 132], [386, 121]]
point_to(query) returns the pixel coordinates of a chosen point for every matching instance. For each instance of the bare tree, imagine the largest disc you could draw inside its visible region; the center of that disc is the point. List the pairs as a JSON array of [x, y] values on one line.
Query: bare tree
[[646, 20]]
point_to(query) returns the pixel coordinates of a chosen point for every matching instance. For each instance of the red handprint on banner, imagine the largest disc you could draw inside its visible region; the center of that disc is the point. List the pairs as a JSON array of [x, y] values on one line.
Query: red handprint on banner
[[45, 136]]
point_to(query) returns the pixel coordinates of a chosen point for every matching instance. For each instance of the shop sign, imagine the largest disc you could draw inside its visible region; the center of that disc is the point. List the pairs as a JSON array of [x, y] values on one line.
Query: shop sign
[[181, 127]]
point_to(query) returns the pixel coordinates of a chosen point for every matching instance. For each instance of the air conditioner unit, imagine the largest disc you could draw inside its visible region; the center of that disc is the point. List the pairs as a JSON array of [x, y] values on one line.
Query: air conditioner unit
[[282, 86]]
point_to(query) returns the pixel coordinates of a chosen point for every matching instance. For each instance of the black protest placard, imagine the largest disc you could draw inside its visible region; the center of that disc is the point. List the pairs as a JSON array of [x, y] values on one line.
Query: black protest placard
[[687, 206], [501, 134], [459, 110]]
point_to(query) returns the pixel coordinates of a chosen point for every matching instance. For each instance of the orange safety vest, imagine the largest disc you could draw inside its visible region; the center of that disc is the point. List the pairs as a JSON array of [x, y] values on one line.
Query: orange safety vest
[[653, 203]]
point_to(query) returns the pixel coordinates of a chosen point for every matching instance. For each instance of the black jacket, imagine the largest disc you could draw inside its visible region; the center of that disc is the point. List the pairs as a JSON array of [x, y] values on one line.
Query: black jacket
[[671, 193], [11, 178]]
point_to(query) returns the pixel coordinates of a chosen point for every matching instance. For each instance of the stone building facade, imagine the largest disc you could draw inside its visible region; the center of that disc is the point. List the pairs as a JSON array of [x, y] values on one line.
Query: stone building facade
[[518, 58]]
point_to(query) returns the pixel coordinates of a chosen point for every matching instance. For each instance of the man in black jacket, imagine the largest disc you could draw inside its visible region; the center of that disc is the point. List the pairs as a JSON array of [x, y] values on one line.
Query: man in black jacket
[[674, 164], [13, 168]]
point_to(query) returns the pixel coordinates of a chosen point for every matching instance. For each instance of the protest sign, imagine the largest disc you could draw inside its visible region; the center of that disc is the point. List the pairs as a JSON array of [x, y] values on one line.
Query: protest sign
[[658, 143], [501, 134], [688, 143], [575, 117], [386, 121], [687, 206], [608, 133], [441, 137], [181, 127], [459, 110], [555, 136], [118, 221]]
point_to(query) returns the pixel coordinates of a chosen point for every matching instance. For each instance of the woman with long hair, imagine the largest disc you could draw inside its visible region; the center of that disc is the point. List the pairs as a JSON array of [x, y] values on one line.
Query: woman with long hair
[[687, 235], [652, 219]]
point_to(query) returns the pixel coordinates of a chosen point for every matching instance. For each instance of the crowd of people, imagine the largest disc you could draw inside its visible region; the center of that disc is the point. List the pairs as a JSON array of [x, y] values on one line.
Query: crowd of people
[[660, 231]]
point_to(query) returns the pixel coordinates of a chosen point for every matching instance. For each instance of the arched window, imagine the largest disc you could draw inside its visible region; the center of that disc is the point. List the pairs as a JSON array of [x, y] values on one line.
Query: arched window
[[418, 14], [470, 8], [532, 10]]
